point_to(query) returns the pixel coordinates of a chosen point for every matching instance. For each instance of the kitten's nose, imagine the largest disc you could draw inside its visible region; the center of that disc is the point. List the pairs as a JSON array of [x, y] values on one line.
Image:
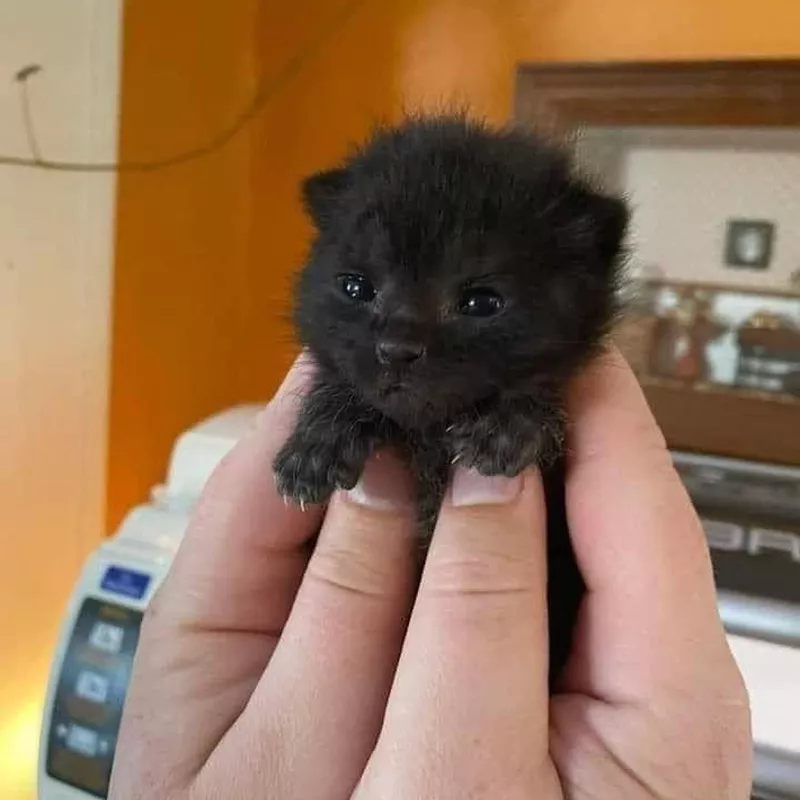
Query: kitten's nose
[[399, 352]]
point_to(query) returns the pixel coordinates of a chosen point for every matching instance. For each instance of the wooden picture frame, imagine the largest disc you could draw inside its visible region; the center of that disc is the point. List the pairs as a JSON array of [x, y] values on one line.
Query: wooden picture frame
[[560, 99], [763, 93]]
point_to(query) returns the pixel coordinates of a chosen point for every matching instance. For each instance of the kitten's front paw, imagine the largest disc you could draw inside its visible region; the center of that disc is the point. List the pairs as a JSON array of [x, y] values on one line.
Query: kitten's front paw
[[308, 472], [494, 445]]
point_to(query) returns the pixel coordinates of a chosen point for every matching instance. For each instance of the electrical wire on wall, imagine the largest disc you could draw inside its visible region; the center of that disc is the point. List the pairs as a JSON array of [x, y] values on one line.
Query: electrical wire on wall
[[267, 89]]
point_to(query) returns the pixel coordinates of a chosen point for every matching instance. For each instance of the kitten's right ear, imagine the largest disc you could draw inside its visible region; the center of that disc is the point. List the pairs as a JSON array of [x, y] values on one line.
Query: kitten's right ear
[[321, 191]]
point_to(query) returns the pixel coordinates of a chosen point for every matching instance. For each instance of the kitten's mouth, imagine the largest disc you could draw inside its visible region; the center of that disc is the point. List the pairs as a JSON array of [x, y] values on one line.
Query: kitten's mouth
[[395, 387], [395, 396], [392, 382]]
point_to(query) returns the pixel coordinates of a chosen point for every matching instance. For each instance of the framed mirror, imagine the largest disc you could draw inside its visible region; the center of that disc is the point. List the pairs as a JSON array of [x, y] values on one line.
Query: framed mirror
[[708, 154]]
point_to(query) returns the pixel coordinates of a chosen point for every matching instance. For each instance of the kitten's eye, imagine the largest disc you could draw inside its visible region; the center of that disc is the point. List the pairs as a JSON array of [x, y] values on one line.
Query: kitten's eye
[[357, 287], [480, 302]]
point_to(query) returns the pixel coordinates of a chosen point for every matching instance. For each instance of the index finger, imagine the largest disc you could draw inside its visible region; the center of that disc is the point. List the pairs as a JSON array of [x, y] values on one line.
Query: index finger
[[243, 550], [213, 625], [651, 610]]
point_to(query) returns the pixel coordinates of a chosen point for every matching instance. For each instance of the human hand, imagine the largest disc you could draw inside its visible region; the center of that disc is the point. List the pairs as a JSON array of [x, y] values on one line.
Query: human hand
[[265, 670]]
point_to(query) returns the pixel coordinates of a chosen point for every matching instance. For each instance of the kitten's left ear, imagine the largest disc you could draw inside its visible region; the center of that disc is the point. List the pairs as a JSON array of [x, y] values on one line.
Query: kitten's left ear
[[603, 220], [321, 191]]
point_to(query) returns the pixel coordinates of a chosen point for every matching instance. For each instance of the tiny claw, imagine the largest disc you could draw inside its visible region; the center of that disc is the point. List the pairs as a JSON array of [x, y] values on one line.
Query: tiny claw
[[455, 459], [303, 506]]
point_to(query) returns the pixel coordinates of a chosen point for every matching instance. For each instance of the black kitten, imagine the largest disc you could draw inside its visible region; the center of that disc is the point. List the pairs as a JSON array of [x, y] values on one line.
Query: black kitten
[[459, 277]]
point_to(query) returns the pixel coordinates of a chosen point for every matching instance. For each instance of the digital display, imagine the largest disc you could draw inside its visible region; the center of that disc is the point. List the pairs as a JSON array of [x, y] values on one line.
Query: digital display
[[90, 695], [125, 582]]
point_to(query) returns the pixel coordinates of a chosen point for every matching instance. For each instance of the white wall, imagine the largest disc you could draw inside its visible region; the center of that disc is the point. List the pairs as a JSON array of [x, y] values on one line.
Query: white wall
[[56, 247], [685, 184], [684, 197]]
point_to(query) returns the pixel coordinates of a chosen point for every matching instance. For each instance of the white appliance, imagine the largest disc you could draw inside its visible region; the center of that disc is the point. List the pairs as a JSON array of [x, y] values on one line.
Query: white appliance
[[92, 663], [751, 515]]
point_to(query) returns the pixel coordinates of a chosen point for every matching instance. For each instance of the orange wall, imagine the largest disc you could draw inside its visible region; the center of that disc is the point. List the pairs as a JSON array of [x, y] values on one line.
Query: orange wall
[[216, 241], [182, 233], [668, 29]]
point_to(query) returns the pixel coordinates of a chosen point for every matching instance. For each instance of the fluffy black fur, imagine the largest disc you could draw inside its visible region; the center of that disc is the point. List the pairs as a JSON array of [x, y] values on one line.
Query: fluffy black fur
[[459, 277]]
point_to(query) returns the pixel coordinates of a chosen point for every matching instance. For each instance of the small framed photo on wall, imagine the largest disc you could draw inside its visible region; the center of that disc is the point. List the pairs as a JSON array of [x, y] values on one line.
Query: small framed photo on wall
[[749, 243]]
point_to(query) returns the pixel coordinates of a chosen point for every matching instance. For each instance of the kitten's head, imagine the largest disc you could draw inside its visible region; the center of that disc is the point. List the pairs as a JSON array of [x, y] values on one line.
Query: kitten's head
[[452, 262]]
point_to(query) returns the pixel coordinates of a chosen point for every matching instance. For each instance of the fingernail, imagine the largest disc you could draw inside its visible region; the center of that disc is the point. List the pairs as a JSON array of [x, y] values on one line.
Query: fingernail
[[470, 488], [385, 484]]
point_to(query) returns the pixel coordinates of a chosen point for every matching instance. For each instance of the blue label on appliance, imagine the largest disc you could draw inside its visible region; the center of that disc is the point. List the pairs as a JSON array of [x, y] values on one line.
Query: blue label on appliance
[[125, 582]]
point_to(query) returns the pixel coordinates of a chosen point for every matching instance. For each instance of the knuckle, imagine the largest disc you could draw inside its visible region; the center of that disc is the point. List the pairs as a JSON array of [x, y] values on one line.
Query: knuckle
[[489, 574], [349, 568]]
